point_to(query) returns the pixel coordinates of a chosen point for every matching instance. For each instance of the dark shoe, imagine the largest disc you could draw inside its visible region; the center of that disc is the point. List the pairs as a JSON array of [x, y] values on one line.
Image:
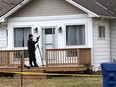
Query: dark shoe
[[36, 66], [27, 67], [31, 66]]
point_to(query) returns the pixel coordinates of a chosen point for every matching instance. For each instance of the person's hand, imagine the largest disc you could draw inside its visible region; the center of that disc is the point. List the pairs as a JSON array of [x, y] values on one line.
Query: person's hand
[[38, 38]]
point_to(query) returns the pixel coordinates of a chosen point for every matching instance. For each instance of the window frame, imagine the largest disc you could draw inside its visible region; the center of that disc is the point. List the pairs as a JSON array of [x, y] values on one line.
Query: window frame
[[103, 36], [86, 37], [13, 37]]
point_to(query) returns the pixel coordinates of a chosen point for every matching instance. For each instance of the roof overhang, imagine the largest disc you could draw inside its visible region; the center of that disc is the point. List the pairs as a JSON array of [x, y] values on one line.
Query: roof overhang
[[108, 17], [2, 18], [90, 13]]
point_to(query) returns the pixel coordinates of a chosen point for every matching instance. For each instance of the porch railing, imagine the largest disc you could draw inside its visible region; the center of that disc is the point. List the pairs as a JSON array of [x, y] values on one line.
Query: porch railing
[[68, 57], [11, 58], [54, 57]]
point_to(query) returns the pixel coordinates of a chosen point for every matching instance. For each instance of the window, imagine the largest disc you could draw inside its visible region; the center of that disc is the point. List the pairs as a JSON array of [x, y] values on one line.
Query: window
[[75, 35], [21, 36], [49, 30], [101, 31]]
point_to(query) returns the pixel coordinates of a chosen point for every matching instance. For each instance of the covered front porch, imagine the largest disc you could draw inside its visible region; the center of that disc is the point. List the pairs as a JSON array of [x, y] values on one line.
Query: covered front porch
[[72, 59]]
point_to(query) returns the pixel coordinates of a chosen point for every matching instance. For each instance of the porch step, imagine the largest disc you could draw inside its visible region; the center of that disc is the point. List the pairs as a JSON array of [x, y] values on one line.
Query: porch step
[[31, 75]]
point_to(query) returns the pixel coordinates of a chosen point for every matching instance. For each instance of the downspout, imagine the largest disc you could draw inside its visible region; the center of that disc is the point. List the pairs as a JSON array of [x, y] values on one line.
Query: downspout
[[93, 41], [111, 59]]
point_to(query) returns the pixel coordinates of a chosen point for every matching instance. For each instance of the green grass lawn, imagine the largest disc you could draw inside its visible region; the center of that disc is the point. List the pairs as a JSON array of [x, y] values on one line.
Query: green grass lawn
[[53, 82]]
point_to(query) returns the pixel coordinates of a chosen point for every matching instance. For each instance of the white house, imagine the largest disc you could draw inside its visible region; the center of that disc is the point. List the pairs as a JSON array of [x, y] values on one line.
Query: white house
[[60, 24]]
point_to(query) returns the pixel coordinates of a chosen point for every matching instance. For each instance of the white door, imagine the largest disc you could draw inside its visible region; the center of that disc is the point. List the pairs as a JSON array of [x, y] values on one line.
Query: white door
[[48, 39]]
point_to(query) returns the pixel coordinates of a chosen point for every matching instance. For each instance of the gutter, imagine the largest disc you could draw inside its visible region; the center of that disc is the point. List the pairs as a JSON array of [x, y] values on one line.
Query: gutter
[[108, 17], [14, 9]]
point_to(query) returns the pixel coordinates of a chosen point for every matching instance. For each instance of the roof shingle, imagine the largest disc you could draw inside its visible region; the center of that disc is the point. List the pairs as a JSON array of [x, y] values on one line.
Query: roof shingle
[[7, 5], [109, 4], [94, 6]]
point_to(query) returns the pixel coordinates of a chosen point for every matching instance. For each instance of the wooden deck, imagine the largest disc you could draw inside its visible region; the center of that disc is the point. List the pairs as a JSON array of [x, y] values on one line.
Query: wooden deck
[[57, 60], [44, 69], [40, 70]]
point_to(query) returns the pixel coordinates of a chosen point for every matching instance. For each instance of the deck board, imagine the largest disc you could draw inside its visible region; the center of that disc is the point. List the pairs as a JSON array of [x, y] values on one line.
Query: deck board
[[40, 70], [44, 69], [65, 69]]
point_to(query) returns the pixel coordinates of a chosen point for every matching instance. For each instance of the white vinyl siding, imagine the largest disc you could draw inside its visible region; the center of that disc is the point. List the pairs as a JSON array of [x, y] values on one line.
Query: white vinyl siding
[[113, 39], [101, 46], [3, 37], [47, 8]]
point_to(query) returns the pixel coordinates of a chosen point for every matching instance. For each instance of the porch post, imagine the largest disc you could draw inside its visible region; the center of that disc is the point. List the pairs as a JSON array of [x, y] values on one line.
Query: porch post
[[78, 57], [22, 59], [46, 58]]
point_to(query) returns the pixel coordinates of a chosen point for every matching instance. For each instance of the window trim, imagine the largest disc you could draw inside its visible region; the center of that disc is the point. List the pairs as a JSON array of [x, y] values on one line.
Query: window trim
[[25, 48], [86, 37]]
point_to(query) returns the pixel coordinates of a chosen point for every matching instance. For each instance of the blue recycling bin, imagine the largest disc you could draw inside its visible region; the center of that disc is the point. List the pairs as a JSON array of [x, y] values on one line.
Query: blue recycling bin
[[109, 74]]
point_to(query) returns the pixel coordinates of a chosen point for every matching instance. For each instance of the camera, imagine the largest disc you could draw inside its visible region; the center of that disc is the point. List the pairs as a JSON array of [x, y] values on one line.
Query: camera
[[38, 37]]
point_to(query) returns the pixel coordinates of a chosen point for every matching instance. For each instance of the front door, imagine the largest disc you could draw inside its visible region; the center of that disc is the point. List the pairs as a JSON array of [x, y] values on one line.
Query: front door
[[48, 40]]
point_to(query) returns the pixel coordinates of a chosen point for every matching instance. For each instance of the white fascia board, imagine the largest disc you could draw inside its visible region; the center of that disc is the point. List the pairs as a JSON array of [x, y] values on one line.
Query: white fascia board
[[2, 20], [14, 9], [90, 13]]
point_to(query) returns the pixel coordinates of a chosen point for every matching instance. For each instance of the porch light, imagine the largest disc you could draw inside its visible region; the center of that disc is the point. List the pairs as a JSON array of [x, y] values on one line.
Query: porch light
[[60, 29], [36, 30]]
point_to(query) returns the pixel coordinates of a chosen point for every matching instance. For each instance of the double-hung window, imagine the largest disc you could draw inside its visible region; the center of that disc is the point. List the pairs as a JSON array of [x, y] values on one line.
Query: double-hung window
[[75, 35]]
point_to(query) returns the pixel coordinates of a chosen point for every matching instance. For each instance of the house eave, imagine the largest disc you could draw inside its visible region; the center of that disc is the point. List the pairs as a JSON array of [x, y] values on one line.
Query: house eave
[[13, 10], [2, 20], [108, 17], [90, 13]]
